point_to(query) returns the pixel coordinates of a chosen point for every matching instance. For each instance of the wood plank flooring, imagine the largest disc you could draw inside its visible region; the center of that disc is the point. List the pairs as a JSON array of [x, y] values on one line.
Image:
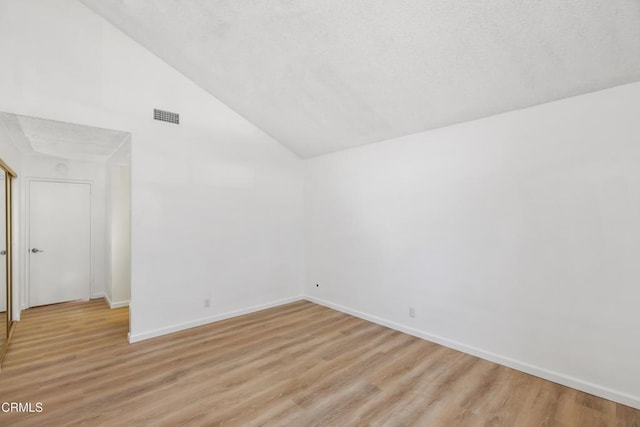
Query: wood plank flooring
[[295, 365]]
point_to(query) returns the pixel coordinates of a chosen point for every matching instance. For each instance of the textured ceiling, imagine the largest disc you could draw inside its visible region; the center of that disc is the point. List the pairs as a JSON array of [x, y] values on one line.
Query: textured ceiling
[[321, 76], [32, 135]]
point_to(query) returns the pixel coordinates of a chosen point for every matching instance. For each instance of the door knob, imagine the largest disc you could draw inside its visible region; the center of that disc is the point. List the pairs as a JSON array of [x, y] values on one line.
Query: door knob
[[3, 252], [36, 250]]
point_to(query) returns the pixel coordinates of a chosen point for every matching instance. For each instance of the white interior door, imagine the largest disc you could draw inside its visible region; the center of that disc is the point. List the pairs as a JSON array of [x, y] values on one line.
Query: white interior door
[[59, 242]]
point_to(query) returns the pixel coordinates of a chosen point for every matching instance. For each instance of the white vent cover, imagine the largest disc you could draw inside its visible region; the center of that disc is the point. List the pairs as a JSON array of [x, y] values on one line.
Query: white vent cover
[[166, 116]]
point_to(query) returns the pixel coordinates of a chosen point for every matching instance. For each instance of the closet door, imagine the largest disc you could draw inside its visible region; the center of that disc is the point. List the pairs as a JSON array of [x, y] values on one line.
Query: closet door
[[4, 313], [6, 226]]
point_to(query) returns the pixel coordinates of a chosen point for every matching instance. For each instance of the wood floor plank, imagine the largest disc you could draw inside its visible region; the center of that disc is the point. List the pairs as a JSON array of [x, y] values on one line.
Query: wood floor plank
[[295, 365]]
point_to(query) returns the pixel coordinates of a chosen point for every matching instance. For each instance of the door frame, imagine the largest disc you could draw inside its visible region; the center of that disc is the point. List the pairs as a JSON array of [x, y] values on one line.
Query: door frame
[[27, 228]]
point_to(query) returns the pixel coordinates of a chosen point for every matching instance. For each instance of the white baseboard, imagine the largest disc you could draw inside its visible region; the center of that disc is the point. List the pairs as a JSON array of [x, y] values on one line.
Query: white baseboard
[[556, 377], [203, 321], [119, 304], [116, 304]]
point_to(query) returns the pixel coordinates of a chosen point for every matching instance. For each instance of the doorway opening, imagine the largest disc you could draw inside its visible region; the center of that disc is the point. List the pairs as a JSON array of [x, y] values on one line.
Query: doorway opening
[[74, 211]]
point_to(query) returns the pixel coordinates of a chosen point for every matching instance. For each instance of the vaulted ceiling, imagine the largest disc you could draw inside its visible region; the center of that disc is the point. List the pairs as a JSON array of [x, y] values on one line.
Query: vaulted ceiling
[[325, 75]]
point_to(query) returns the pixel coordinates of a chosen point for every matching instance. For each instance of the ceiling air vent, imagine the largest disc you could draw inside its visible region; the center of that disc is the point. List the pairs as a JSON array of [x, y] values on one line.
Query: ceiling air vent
[[166, 116]]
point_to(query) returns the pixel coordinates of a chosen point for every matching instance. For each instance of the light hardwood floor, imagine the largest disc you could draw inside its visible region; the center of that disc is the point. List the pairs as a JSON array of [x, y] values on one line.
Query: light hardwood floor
[[296, 365]]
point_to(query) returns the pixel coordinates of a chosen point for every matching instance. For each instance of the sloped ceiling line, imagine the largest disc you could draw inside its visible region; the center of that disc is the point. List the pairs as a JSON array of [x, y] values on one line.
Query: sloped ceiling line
[[322, 76]]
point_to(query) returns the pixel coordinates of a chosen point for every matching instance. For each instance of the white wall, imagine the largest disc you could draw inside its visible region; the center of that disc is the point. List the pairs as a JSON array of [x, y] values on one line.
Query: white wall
[[216, 203], [46, 167], [118, 225], [515, 237]]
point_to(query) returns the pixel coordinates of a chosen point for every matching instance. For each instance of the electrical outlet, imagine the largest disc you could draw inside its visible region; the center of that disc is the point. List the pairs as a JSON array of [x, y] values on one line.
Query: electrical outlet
[[412, 312], [207, 303]]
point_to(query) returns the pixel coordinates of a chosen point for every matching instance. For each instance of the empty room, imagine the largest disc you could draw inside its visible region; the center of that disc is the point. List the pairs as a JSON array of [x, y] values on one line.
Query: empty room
[[300, 213]]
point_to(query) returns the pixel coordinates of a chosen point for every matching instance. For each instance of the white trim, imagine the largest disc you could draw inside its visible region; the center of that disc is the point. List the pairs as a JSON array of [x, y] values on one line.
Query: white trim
[[27, 228], [117, 304], [203, 321], [556, 377]]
